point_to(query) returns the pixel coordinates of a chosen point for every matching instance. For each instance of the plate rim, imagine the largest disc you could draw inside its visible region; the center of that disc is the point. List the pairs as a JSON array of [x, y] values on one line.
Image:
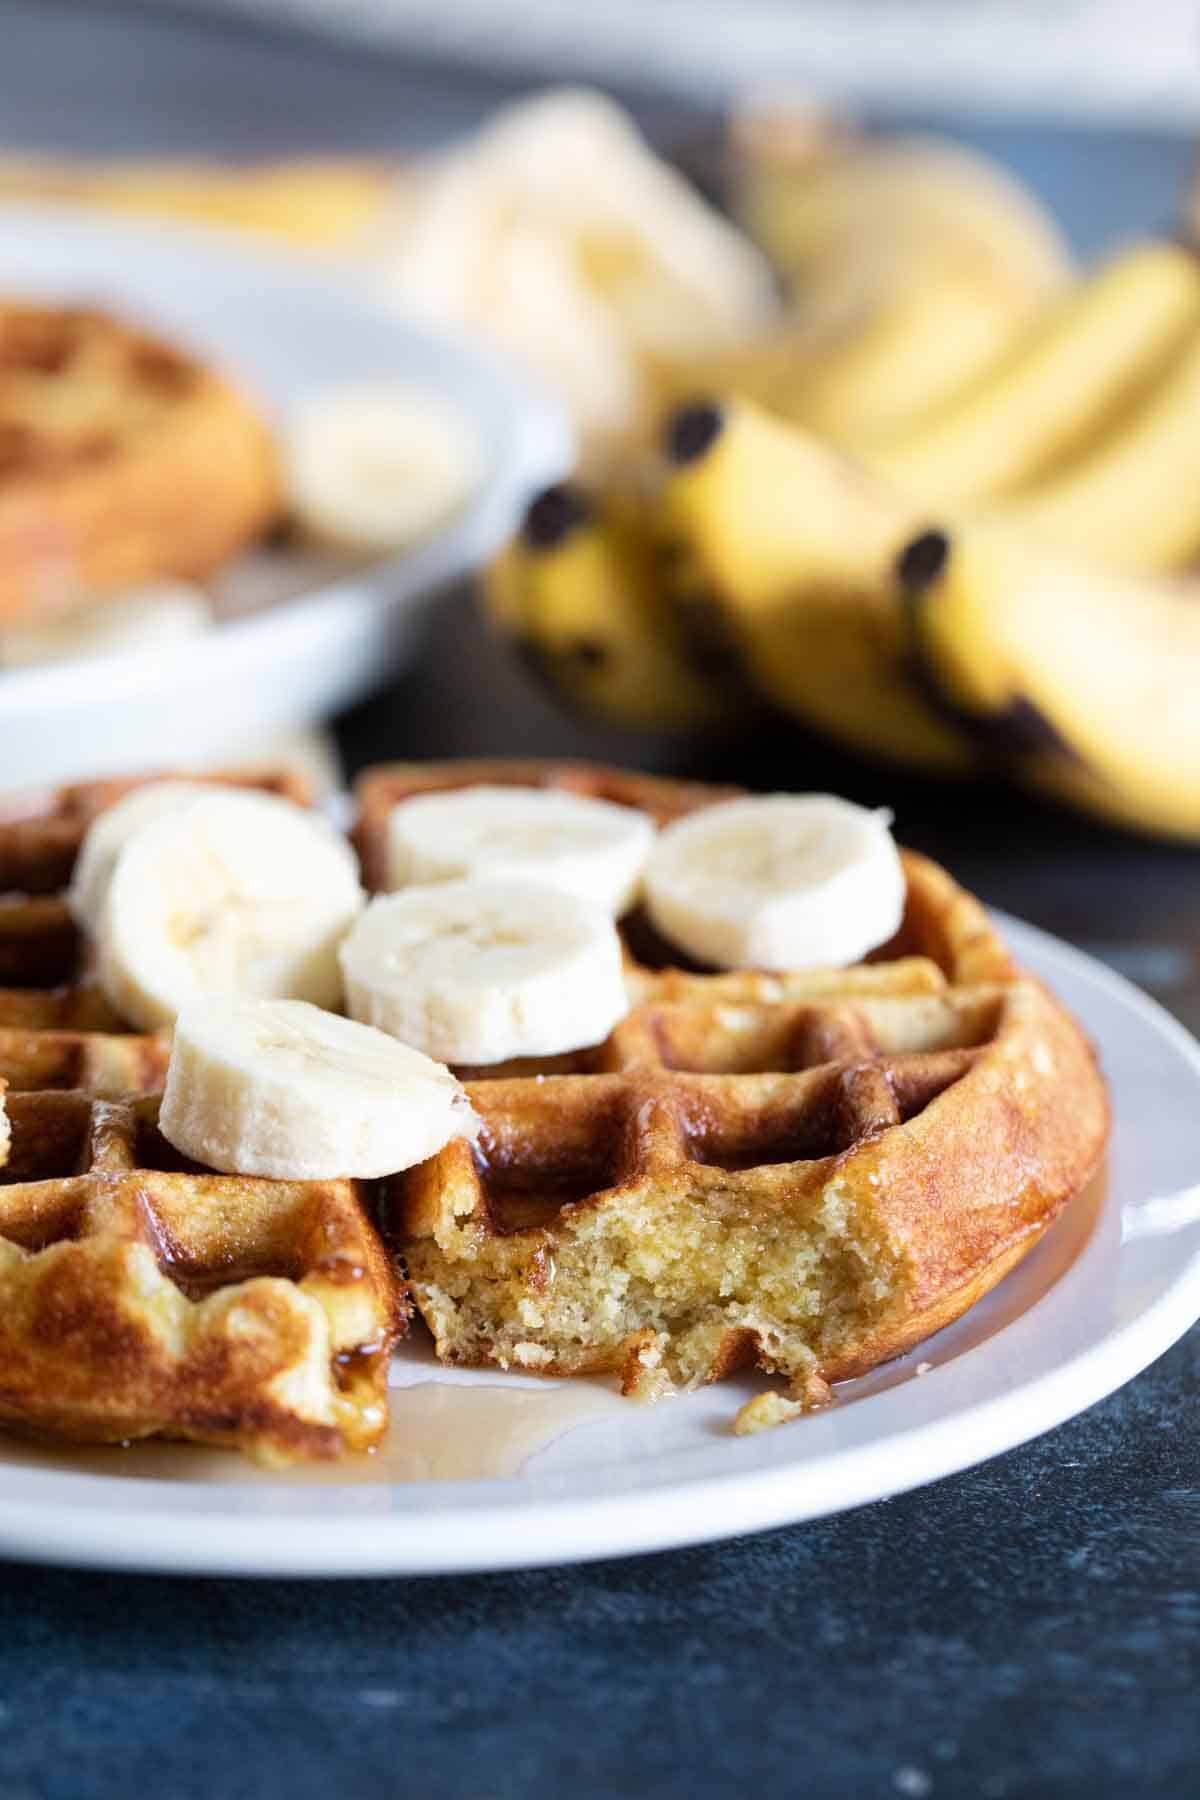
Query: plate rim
[[498, 1524]]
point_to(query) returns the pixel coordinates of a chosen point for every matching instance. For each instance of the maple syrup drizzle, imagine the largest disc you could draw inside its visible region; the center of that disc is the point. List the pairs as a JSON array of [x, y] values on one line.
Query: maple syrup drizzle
[[439, 1431]]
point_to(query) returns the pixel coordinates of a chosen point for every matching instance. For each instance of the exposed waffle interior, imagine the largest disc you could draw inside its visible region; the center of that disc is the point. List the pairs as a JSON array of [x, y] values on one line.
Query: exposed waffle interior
[[144, 1295], [56, 1028], [681, 1180], [809, 1170]]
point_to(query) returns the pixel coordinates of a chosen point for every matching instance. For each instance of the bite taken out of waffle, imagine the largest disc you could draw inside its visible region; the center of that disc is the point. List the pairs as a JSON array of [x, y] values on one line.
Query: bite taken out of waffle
[[807, 1171]]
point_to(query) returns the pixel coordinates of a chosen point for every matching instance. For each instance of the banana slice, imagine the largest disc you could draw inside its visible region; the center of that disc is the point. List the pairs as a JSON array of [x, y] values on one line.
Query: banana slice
[[582, 846], [780, 882], [376, 465], [108, 835], [480, 971], [280, 1088], [237, 893], [146, 618]]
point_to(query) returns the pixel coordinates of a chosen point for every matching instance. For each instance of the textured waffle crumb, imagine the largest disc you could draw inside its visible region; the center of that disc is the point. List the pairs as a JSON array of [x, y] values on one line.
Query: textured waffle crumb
[[766, 1411], [668, 1289]]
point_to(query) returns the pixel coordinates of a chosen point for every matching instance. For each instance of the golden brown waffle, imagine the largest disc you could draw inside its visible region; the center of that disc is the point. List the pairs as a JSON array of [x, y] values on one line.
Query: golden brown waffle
[[139, 1293], [810, 1171], [142, 1295], [56, 1028], [121, 460]]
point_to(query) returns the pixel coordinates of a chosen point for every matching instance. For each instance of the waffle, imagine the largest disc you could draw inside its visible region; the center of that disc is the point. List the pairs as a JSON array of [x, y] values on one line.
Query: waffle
[[121, 460], [140, 1294], [810, 1172]]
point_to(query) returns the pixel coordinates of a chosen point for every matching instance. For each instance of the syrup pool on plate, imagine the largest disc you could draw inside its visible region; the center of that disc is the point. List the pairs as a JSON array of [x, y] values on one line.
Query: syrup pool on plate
[[439, 1431]]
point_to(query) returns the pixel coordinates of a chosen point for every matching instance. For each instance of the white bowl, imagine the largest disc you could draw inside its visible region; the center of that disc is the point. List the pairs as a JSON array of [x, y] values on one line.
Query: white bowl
[[284, 328]]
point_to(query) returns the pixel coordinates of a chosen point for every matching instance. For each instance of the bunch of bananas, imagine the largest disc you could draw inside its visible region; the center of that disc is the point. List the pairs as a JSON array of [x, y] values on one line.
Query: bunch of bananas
[[946, 530]]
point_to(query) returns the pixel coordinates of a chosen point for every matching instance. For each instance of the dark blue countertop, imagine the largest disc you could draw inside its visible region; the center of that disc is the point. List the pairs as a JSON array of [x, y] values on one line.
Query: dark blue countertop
[[1029, 1628]]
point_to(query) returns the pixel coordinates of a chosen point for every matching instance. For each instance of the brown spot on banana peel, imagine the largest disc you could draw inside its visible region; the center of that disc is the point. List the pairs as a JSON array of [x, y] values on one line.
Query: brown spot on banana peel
[[563, 673], [692, 430], [554, 515], [922, 562], [586, 654], [707, 640], [1020, 729]]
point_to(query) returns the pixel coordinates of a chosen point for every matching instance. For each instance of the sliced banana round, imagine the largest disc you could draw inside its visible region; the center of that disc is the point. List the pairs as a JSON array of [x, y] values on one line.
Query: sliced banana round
[[377, 465], [779, 882], [236, 893], [581, 845], [480, 971], [108, 835], [280, 1088]]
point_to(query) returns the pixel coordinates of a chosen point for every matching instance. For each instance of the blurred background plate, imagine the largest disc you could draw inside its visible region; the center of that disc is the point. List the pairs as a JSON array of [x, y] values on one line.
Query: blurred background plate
[[283, 329]]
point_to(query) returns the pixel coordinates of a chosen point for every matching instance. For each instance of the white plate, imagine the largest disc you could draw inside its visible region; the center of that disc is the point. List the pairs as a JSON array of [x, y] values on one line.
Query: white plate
[[283, 329], [1109, 1288]]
